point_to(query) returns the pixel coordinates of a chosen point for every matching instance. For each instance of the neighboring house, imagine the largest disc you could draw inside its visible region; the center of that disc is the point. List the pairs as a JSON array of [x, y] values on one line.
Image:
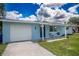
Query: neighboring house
[[18, 30]]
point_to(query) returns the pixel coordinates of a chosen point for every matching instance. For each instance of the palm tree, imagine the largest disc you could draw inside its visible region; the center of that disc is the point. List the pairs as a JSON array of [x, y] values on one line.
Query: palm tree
[[74, 20]]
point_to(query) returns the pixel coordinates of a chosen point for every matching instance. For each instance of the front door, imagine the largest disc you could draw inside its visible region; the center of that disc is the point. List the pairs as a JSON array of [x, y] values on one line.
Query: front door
[[41, 32], [44, 32]]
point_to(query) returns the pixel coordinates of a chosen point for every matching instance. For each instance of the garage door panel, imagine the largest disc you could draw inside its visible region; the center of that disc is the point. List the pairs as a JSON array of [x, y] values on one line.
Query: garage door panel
[[20, 32]]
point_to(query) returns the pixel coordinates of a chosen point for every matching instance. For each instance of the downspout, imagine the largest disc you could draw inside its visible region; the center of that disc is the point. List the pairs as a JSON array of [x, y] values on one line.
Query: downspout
[[65, 30]]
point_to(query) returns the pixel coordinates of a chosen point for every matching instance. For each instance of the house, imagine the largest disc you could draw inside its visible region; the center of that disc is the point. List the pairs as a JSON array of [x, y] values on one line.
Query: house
[[19, 30]]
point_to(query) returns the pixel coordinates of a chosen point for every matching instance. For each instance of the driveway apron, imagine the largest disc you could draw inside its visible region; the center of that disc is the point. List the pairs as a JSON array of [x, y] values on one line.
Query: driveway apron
[[26, 49]]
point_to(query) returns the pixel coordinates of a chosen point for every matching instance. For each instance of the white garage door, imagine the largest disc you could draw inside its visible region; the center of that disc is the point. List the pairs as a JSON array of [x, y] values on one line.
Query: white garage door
[[20, 32]]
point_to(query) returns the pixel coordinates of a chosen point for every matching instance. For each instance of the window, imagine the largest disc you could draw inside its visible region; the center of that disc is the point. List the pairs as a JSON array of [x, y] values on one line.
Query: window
[[52, 28]]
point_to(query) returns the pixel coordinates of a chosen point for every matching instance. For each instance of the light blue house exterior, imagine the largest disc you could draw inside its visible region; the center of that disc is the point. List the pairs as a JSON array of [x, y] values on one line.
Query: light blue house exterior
[[35, 34]]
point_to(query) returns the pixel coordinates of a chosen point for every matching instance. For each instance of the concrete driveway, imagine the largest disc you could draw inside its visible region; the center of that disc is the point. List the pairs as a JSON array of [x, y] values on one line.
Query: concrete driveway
[[26, 49]]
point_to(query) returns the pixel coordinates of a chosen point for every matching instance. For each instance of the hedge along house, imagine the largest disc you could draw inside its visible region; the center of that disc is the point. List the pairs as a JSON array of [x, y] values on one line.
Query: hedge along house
[[18, 30]]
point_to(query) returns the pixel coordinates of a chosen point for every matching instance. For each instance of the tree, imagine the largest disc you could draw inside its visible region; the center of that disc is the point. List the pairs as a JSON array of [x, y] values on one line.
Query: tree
[[0, 26], [1, 10], [1, 15], [74, 20]]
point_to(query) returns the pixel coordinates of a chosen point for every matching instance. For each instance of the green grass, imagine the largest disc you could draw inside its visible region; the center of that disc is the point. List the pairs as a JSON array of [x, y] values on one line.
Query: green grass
[[66, 47], [2, 48]]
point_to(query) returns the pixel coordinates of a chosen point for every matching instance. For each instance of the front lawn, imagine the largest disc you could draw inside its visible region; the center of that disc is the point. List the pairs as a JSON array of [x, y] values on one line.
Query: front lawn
[[2, 48], [66, 47]]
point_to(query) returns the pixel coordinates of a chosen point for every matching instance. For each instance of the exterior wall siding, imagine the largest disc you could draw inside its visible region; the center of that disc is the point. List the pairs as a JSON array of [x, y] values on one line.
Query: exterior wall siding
[[47, 31], [62, 30], [70, 31], [36, 32], [6, 32]]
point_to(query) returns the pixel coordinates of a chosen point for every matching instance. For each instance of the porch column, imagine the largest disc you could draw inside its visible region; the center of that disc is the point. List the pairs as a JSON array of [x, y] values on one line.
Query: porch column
[[42, 27]]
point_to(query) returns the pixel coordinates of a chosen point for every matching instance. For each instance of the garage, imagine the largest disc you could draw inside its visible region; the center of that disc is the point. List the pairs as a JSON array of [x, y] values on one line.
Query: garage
[[20, 32]]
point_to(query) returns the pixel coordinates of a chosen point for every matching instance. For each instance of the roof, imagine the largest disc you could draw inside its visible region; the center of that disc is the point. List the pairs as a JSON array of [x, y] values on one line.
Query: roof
[[33, 22], [44, 23]]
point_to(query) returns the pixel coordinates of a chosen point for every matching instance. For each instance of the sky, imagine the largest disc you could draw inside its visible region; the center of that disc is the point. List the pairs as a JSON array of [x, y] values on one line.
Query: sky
[[26, 9], [32, 10]]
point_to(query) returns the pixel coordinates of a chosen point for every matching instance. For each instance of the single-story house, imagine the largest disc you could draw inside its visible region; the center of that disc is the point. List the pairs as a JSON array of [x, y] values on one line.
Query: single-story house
[[19, 30]]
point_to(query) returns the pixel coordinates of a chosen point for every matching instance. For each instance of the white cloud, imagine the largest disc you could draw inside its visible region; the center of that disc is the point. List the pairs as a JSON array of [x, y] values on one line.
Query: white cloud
[[45, 13], [73, 9], [13, 15], [37, 3], [62, 14], [44, 9], [47, 10], [30, 18], [55, 5]]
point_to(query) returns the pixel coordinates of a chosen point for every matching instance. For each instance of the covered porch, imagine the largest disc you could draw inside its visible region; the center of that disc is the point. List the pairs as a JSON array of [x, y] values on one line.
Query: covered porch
[[56, 31]]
